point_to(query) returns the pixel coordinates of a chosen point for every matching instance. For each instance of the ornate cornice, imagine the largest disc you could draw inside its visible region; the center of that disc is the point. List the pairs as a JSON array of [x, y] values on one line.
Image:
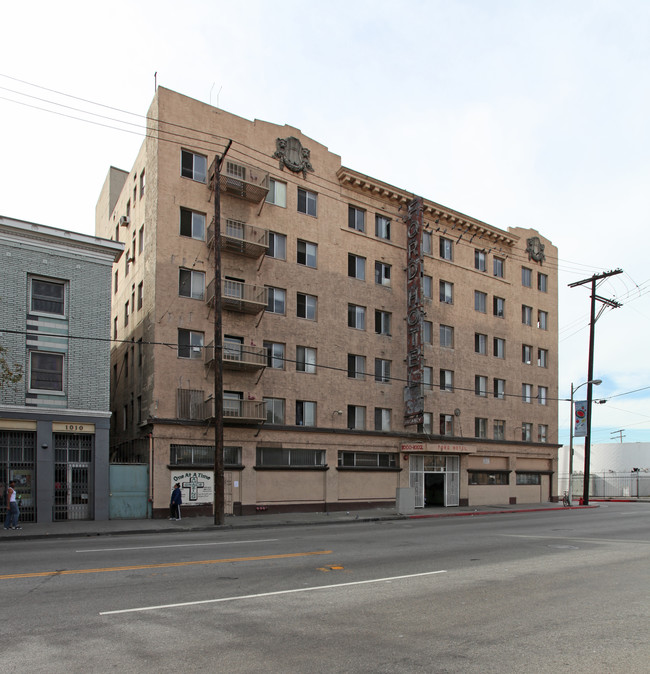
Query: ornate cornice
[[443, 218]]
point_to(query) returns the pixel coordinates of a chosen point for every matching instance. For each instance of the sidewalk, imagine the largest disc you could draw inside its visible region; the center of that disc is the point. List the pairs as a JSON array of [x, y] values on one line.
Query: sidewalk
[[86, 528]]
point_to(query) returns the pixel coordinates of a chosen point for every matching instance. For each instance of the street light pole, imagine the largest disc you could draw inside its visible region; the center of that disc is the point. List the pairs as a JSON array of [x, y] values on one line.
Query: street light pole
[[596, 382]]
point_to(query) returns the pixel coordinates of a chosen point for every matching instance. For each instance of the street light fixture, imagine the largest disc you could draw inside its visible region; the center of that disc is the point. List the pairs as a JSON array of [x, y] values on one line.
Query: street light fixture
[[596, 382]]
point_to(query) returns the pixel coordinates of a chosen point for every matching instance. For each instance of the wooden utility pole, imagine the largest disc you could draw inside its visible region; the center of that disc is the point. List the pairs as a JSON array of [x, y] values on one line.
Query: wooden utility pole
[[590, 374], [218, 496]]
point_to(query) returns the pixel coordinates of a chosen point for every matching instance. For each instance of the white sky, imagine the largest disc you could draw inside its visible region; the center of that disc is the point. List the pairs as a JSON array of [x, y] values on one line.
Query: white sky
[[517, 112]]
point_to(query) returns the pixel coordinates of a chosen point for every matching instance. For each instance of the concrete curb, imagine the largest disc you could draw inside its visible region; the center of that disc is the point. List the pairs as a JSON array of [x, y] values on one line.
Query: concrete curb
[[500, 512]]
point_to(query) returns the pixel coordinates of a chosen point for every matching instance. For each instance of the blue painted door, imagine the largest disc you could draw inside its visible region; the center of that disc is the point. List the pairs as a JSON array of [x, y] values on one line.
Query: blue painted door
[[129, 492]]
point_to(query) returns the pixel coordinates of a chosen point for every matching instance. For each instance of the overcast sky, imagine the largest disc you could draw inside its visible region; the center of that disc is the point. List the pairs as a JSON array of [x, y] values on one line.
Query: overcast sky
[[519, 113]]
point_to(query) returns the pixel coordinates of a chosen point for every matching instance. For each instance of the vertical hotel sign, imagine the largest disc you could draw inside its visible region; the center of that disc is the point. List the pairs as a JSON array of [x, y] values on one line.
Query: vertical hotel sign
[[413, 398]]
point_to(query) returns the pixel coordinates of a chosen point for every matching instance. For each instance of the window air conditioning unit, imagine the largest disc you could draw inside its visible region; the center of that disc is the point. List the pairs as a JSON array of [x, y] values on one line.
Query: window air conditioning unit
[[125, 220]]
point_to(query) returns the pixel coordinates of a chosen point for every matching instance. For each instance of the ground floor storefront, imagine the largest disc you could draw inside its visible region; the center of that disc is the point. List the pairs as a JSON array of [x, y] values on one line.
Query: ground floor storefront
[[59, 462], [285, 470]]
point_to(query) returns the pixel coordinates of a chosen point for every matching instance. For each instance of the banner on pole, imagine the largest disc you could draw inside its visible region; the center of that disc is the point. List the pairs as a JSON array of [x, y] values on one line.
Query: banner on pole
[[580, 419]]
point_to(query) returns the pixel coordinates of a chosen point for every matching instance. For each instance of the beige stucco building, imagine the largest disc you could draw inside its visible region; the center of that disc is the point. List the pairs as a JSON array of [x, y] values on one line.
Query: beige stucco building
[[371, 340]]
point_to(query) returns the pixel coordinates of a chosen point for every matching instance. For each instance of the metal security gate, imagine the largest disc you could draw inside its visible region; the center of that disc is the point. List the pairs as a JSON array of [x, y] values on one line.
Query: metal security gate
[[227, 493], [129, 491], [73, 476], [17, 451], [431, 473]]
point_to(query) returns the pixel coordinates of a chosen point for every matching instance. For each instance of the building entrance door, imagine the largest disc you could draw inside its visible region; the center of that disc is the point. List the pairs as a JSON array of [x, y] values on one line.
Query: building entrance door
[[435, 480]]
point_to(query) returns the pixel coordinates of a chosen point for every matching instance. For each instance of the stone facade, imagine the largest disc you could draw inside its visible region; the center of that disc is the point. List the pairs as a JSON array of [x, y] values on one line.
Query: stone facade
[[315, 284], [55, 317]]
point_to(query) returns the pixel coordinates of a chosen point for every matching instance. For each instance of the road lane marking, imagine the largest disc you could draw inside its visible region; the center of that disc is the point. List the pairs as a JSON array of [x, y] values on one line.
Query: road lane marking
[[180, 545], [577, 538], [140, 567], [270, 594]]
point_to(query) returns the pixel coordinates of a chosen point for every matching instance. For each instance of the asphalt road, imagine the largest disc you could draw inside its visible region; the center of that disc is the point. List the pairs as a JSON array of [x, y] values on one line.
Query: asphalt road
[[539, 592]]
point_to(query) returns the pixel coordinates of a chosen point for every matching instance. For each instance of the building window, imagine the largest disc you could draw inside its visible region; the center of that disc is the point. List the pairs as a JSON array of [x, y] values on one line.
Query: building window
[[277, 194], [427, 378], [480, 385], [500, 389], [526, 393], [191, 284], [446, 249], [382, 227], [427, 423], [367, 459], [427, 287], [526, 354], [356, 366], [274, 355], [480, 261], [115, 328], [542, 282], [275, 456], [382, 370], [277, 246], [276, 300], [446, 292], [306, 306], [48, 297], [480, 427], [382, 419], [307, 202], [356, 219], [526, 315], [526, 277], [356, 317], [356, 417], [499, 307], [542, 433], [140, 240], [446, 424], [447, 336], [498, 267], [305, 413], [542, 357], [140, 294], [446, 380], [542, 395], [357, 267], [126, 314], [499, 347], [382, 322], [306, 253], [192, 224], [45, 371], [382, 274], [499, 429], [542, 320], [190, 344], [305, 359], [274, 410], [142, 184], [427, 332], [527, 432], [480, 343], [427, 243], [194, 166], [480, 301], [116, 281], [198, 455], [529, 478], [484, 478]]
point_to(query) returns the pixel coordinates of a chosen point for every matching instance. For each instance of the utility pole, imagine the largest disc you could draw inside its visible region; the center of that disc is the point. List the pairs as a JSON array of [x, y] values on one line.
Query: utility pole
[[619, 433], [218, 496], [590, 373]]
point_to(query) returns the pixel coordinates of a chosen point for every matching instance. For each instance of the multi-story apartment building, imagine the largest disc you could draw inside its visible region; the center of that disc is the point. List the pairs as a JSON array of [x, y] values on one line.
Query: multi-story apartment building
[[55, 309], [371, 340]]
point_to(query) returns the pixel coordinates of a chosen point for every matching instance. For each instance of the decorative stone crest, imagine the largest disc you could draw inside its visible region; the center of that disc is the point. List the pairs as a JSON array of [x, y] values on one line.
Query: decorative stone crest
[[535, 249], [293, 155]]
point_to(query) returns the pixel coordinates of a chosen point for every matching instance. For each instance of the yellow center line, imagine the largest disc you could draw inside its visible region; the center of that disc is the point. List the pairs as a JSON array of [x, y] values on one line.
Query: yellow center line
[[139, 567]]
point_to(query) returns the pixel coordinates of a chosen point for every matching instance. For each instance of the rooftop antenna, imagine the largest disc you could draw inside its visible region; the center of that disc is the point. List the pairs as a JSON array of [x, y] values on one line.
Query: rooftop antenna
[[155, 81], [211, 88]]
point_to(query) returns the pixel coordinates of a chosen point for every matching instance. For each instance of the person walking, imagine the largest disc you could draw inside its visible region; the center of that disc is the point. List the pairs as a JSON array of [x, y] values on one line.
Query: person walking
[[11, 520], [175, 503]]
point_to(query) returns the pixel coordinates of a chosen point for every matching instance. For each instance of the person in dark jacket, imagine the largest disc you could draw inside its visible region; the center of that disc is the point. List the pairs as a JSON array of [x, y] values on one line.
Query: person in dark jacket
[[175, 503]]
